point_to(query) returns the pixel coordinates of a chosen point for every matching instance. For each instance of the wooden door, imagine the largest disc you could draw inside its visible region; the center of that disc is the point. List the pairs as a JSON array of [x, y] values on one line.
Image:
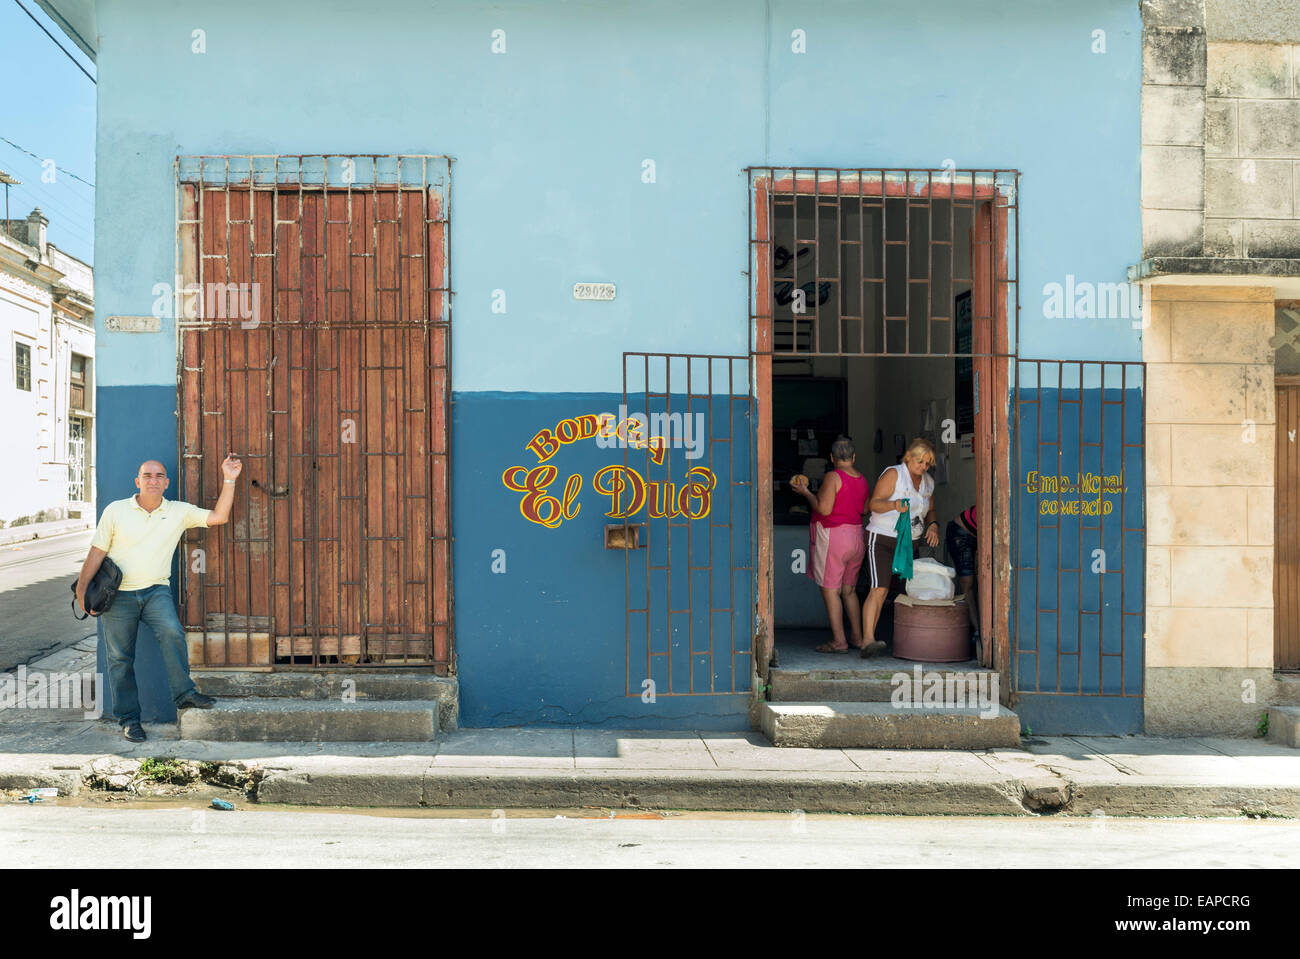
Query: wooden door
[[335, 395], [1286, 535], [992, 465]]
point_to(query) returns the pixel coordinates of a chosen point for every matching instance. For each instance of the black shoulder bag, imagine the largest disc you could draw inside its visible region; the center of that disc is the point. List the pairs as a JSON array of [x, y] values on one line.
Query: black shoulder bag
[[101, 590]]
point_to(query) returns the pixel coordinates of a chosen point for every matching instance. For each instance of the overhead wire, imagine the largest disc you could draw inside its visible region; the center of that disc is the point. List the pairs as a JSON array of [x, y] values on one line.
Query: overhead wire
[[74, 227], [55, 41], [51, 205], [41, 160], [72, 212]]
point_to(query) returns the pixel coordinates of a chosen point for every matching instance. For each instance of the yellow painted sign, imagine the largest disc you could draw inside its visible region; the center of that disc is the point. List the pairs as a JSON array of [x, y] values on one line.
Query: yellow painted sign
[[1081, 495], [627, 490]]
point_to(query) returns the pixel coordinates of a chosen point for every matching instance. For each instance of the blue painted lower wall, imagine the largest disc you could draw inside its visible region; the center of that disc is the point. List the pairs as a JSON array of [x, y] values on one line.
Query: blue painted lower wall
[[547, 640], [1078, 572], [134, 424], [1079, 715]]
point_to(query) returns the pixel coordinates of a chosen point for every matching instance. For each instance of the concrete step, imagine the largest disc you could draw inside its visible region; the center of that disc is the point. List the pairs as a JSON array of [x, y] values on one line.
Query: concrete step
[[1287, 690], [1284, 725], [326, 685], [292, 720], [850, 684], [882, 725]]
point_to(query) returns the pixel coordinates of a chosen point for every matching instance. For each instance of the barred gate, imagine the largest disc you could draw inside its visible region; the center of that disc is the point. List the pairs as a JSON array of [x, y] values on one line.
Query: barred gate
[[689, 609], [1078, 545], [314, 341]]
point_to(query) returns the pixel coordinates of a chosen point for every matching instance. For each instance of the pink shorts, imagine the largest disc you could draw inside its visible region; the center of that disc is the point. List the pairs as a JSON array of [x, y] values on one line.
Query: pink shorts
[[835, 554]]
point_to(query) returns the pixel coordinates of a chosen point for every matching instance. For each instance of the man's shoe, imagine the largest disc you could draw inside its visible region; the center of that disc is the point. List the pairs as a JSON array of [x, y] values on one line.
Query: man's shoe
[[134, 732], [196, 698]]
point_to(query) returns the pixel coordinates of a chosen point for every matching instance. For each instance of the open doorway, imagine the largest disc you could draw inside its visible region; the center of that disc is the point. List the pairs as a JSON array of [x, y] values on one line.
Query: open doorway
[[882, 404], [881, 301]]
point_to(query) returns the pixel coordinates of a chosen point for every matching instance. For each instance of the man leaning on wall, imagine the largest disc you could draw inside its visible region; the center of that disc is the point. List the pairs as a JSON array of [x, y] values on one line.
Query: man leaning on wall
[[140, 534]]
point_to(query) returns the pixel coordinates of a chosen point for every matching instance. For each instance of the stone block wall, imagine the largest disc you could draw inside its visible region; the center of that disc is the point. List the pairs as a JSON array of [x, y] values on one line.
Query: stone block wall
[[1209, 459], [1252, 149], [1220, 130], [1173, 128]]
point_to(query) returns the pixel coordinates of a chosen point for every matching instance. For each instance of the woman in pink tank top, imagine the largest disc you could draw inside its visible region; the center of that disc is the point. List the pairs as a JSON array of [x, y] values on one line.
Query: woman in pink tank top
[[837, 544]]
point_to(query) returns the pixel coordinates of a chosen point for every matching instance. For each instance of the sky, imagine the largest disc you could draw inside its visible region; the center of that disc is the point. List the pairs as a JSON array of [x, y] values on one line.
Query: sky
[[47, 109]]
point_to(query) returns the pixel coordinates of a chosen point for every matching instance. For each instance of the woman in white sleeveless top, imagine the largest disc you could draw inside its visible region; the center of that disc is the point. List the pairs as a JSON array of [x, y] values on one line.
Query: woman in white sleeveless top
[[911, 481]]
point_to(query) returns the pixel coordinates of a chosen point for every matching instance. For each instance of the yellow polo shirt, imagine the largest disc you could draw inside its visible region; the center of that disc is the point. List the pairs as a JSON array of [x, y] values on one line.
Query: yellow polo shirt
[[142, 543]]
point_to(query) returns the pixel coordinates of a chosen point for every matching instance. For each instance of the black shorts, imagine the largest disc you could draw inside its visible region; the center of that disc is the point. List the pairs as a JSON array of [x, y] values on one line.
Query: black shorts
[[878, 567], [879, 563], [961, 549]]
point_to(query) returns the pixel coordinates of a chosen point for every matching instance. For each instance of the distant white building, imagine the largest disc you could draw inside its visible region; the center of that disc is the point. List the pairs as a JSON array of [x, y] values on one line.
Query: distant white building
[[47, 395]]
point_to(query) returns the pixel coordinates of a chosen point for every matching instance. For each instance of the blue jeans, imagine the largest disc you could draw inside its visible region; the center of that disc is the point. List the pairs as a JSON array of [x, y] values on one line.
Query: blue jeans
[[153, 605]]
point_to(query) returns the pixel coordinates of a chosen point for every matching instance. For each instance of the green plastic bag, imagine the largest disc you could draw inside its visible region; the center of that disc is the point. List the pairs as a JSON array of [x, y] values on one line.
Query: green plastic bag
[[903, 544]]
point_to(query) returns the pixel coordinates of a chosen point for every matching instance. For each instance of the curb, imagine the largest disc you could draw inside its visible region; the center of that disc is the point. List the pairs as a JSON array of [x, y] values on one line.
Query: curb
[[21, 772], [415, 785], [1163, 798], [470, 787]]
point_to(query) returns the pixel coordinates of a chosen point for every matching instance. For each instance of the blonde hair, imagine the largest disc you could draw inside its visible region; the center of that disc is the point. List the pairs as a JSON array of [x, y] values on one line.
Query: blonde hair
[[921, 444]]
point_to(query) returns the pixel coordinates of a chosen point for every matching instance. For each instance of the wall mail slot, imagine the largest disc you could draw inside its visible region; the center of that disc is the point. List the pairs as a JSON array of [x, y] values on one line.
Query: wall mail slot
[[620, 536]]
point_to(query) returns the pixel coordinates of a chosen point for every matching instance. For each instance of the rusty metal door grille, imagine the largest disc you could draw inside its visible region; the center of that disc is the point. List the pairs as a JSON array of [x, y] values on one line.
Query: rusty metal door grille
[[824, 243], [313, 329], [690, 591], [1078, 549]]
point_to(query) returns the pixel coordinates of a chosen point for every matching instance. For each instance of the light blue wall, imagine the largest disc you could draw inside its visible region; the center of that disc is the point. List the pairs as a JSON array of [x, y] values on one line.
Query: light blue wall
[[549, 140]]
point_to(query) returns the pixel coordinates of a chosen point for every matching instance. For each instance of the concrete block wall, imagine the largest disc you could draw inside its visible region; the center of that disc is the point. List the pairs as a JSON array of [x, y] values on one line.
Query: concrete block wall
[[1209, 459], [1221, 128], [1220, 179], [1173, 127], [1252, 150]]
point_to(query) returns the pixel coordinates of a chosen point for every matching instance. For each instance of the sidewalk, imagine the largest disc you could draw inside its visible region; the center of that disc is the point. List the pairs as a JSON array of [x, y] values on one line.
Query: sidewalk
[[565, 768], [22, 534]]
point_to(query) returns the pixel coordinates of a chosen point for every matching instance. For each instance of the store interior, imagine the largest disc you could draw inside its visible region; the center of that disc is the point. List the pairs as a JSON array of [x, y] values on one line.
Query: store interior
[[905, 259]]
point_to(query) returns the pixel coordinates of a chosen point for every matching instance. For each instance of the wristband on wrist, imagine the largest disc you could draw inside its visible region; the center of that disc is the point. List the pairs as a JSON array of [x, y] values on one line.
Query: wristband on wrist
[[229, 481]]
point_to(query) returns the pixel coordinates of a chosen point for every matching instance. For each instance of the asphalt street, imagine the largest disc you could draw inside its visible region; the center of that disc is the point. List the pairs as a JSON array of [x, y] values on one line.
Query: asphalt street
[[35, 613], [189, 835]]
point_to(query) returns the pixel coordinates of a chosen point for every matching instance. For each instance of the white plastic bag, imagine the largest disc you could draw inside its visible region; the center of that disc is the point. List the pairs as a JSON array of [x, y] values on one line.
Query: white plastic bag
[[931, 580]]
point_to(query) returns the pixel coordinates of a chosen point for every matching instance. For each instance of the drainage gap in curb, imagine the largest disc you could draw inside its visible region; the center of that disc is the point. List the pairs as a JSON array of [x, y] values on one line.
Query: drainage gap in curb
[[1047, 796], [169, 776]]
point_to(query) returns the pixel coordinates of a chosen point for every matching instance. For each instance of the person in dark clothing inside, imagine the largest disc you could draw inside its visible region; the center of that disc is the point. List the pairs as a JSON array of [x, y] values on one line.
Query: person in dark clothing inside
[[960, 540]]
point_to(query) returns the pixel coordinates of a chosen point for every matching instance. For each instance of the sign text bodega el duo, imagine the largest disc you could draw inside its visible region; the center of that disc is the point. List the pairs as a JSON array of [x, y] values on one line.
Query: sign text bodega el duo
[[627, 490]]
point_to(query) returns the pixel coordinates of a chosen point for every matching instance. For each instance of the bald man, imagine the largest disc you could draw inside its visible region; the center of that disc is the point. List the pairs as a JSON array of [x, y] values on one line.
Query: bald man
[[140, 535]]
